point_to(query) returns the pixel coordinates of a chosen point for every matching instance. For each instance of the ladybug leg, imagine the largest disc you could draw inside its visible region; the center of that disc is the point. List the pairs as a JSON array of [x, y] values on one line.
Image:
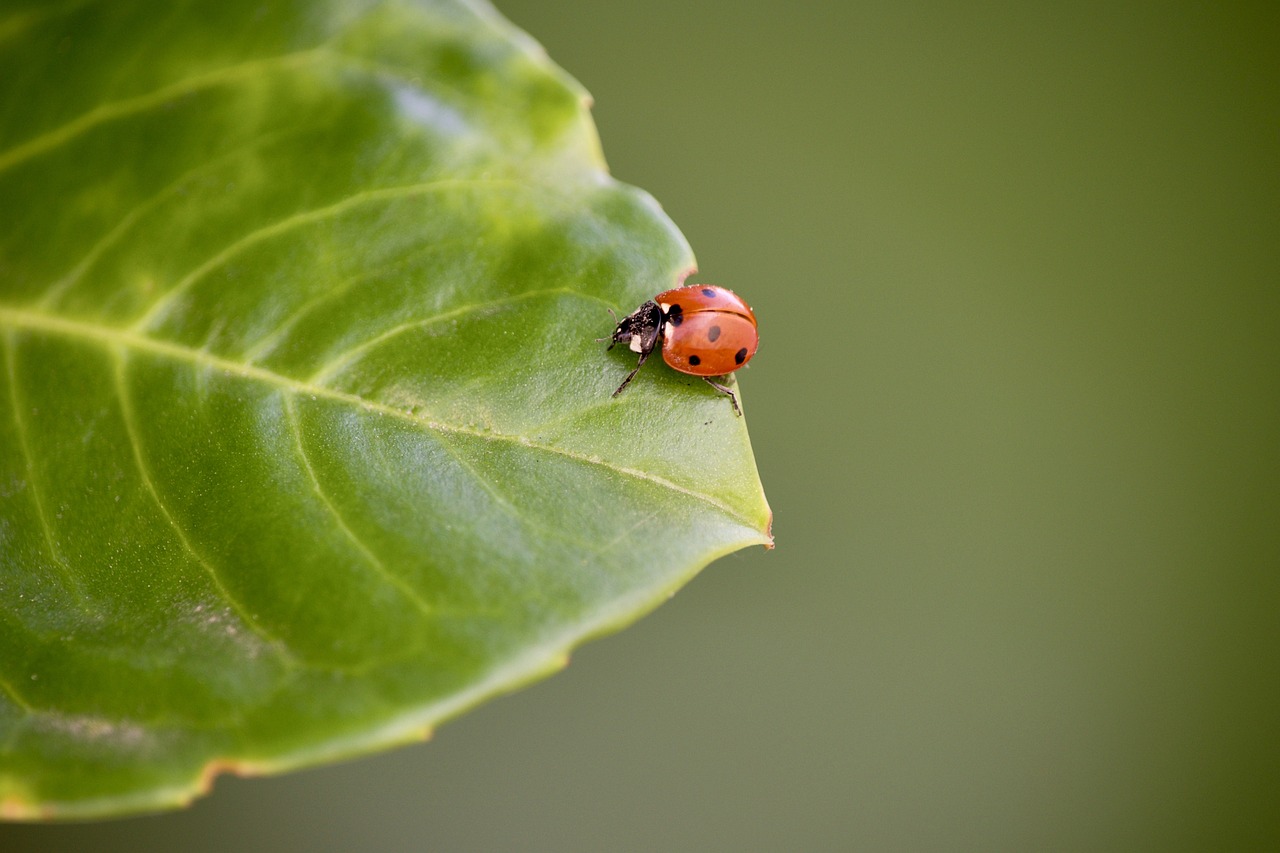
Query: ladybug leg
[[631, 375], [723, 390]]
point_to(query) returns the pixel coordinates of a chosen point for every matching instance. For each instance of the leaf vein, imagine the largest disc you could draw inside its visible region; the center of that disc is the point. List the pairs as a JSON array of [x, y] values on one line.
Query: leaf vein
[[110, 110], [112, 336], [18, 698], [135, 442], [340, 361], [386, 575], [142, 208], [283, 225], [24, 447], [267, 341], [507, 506]]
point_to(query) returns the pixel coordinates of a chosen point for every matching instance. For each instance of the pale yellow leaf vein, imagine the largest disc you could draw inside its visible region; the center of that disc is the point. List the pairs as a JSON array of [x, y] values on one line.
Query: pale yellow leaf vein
[[130, 219], [487, 483], [339, 362], [17, 697], [135, 442], [626, 534], [297, 220], [271, 339], [379, 567], [104, 113], [112, 336], [33, 483]]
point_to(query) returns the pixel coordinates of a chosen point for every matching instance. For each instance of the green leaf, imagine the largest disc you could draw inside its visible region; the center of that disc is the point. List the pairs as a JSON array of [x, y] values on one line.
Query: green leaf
[[306, 443]]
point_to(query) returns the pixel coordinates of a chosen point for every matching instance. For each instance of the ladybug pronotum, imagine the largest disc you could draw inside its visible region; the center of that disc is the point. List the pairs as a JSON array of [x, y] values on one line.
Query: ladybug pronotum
[[705, 331]]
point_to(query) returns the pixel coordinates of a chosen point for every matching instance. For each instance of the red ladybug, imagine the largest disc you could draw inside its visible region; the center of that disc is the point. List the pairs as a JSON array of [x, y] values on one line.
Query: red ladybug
[[705, 331]]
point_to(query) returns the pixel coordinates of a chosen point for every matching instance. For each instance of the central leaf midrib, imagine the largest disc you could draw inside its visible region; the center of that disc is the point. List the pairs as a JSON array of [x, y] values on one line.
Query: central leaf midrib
[[17, 318]]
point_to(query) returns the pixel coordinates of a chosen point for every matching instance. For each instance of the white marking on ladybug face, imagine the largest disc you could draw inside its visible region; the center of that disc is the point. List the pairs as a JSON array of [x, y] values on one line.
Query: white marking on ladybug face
[[664, 306], [666, 328], [635, 343]]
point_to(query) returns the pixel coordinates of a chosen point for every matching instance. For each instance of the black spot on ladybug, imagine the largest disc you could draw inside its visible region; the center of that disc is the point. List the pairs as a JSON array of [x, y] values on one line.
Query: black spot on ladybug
[[676, 315], [694, 360], [740, 356], [709, 293], [713, 333]]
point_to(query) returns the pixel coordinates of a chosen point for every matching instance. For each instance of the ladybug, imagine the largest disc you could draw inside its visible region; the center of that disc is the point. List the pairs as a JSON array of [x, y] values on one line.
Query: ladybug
[[705, 331]]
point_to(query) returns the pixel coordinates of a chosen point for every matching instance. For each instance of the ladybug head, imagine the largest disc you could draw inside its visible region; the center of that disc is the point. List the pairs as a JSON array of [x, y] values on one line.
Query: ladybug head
[[639, 329]]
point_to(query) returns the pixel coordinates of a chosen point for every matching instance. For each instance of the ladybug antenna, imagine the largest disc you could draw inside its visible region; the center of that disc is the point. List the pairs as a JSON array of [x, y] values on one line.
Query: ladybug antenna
[[615, 322]]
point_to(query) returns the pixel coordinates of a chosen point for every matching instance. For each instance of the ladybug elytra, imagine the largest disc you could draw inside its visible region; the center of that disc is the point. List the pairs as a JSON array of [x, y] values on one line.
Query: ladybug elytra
[[704, 330]]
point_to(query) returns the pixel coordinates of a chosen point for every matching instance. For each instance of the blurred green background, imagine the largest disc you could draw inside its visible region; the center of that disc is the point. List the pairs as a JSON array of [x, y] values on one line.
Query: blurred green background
[[1017, 411]]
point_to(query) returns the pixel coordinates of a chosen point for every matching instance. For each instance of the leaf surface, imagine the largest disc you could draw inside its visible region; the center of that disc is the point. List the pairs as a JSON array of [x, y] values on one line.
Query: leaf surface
[[305, 440]]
